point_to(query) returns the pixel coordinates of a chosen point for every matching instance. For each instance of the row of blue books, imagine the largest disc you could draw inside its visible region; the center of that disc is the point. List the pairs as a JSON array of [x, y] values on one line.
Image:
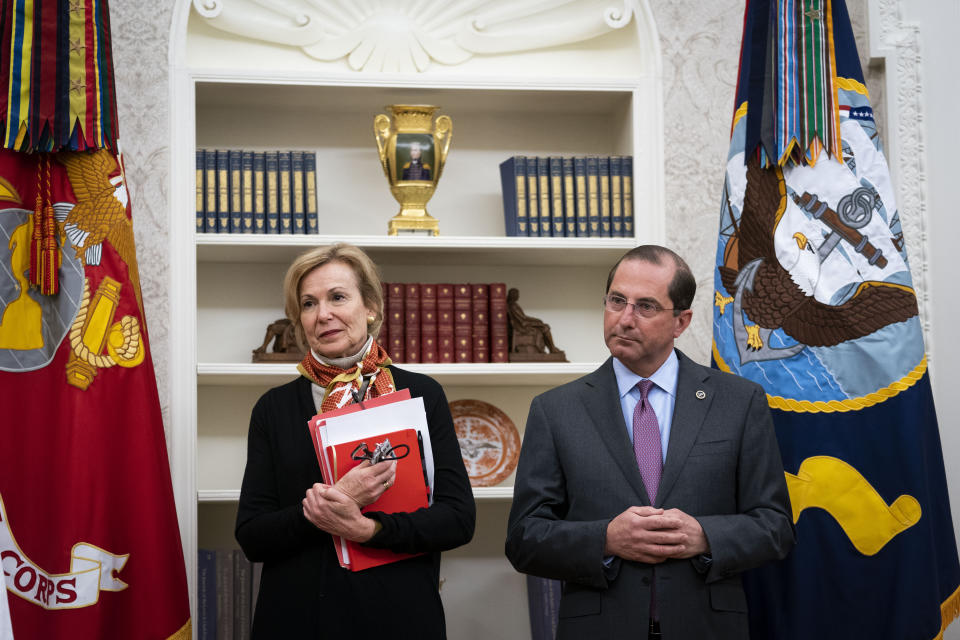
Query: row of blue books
[[241, 191], [227, 587], [582, 197]]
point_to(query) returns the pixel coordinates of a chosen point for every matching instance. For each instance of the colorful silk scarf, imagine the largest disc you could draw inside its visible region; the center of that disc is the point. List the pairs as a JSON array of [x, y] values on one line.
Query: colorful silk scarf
[[340, 384]]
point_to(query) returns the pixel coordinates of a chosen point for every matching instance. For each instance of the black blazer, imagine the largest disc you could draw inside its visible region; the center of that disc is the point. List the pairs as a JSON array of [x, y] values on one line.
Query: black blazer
[[304, 593], [577, 471]]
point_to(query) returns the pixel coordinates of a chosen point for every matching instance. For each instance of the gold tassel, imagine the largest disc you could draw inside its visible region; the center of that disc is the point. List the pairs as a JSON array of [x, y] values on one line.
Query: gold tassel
[[45, 255], [36, 243]]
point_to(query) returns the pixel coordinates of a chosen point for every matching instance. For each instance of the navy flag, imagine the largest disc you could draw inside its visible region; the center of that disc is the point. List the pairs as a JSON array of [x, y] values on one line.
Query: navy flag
[[814, 301]]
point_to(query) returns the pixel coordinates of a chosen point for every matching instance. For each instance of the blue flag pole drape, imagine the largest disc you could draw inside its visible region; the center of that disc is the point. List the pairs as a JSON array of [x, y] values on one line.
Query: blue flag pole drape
[[814, 301]]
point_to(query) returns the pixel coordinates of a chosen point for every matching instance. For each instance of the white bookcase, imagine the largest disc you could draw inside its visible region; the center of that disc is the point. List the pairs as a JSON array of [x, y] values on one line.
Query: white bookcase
[[227, 288]]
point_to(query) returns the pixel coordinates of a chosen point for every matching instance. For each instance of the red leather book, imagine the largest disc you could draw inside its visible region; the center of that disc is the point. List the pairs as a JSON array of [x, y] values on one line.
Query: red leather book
[[395, 337], [411, 322], [463, 323], [382, 337], [407, 494], [481, 322], [498, 323], [445, 346], [428, 323]]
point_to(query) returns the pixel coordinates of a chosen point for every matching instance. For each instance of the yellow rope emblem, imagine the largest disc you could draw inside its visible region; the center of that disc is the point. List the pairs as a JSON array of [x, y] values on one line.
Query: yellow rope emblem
[[849, 84], [848, 404], [94, 330]]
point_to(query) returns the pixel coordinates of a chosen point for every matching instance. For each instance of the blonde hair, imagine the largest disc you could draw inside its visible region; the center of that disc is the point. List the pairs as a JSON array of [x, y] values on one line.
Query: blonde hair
[[368, 281]]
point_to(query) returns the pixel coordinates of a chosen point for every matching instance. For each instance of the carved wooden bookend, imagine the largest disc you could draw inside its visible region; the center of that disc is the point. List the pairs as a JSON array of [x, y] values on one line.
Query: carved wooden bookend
[[529, 338], [285, 347]]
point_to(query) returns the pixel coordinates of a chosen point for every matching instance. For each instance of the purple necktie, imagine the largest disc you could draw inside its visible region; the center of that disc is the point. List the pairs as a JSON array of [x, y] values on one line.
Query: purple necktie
[[646, 441], [646, 446]]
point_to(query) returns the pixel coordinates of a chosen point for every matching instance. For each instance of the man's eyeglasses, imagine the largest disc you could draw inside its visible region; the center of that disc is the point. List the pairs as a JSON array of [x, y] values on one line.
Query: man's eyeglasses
[[644, 308]]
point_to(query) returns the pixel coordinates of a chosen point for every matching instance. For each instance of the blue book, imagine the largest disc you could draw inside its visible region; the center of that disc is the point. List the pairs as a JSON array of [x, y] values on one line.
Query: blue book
[[246, 195], [593, 197], [616, 196], [580, 181], [603, 179], [513, 184], [626, 187], [201, 195], [223, 192], [533, 199], [242, 595], [297, 204], [543, 602], [236, 190], [259, 192], [273, 188], [210, 187], [556, 196], [225, 595], [285, 195], [569, 200], [310, 191], [543, 192], [206, 595]]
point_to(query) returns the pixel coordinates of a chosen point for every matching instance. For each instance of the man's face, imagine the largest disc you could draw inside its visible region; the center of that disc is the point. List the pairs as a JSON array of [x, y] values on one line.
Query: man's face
[[643, 344], [415, 152]]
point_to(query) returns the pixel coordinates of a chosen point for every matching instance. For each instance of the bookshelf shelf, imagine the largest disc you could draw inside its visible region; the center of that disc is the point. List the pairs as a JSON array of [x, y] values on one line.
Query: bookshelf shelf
[[520, 374], [441, 250], [232, 496]]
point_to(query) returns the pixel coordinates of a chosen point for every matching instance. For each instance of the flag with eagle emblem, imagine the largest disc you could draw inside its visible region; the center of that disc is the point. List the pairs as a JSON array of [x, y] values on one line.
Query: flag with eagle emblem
[[814, 301], [89, 542]]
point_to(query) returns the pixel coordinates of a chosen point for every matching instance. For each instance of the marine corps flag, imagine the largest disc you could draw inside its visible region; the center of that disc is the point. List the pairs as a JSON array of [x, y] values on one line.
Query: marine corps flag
[[89, 543], [814, 301]]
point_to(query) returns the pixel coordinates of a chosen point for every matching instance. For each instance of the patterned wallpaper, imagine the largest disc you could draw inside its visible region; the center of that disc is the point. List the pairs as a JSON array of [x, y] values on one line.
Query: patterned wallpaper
[[700, 46], [141, 33]]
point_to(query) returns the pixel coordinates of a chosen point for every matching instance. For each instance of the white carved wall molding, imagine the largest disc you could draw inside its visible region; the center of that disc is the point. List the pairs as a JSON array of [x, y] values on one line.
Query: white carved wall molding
[[898, 43], [409, 35]]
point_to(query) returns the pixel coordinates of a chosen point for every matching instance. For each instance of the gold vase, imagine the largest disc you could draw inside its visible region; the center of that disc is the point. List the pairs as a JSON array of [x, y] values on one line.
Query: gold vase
[[413, 149]]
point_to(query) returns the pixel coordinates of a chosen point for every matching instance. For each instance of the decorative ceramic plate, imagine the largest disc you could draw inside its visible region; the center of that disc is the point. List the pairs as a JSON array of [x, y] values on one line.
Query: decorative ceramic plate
[[489, 441]]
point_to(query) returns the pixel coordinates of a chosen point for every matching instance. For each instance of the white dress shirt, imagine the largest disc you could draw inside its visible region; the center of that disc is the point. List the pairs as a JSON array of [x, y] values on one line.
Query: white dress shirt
[[662, 395]]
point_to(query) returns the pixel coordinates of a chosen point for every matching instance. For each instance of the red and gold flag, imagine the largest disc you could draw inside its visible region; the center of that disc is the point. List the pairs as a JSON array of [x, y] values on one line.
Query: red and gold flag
[[89, 543]]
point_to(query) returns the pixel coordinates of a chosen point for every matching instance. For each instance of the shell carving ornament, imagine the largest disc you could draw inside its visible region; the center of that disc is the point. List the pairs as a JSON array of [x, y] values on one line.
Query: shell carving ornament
[[407, 36]]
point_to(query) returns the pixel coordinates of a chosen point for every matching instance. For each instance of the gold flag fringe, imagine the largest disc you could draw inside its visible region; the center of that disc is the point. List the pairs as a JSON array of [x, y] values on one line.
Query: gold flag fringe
[[183, 633], [949, 611]]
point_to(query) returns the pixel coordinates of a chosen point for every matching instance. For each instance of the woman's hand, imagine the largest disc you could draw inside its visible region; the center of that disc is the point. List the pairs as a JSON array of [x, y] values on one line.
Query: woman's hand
[[337, 514], [365, 483]]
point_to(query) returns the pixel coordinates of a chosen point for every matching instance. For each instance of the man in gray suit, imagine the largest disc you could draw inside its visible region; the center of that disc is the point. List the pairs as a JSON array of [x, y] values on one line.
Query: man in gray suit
[[649, 485]]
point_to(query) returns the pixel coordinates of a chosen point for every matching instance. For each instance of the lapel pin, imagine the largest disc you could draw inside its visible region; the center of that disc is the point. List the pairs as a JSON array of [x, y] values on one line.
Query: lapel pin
[[701, 394]]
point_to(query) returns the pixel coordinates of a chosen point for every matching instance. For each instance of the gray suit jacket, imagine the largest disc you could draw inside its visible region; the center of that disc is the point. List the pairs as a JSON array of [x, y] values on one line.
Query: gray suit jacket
[[577, 471]]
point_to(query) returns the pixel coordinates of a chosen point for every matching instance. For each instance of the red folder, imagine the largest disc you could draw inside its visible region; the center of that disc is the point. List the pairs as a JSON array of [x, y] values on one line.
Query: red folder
[[319, 419], [407, 493]]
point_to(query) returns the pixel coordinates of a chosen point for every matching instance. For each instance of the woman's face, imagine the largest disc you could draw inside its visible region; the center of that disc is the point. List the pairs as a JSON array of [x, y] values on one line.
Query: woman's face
[[332, 312]]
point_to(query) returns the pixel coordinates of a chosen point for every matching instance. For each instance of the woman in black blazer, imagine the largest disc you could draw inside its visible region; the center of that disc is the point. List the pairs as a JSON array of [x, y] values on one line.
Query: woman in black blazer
[[288, 515]]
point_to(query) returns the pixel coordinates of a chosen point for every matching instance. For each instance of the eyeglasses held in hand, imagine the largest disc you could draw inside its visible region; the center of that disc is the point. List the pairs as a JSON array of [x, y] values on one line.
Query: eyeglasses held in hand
[[383, 451], [644, 308]]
